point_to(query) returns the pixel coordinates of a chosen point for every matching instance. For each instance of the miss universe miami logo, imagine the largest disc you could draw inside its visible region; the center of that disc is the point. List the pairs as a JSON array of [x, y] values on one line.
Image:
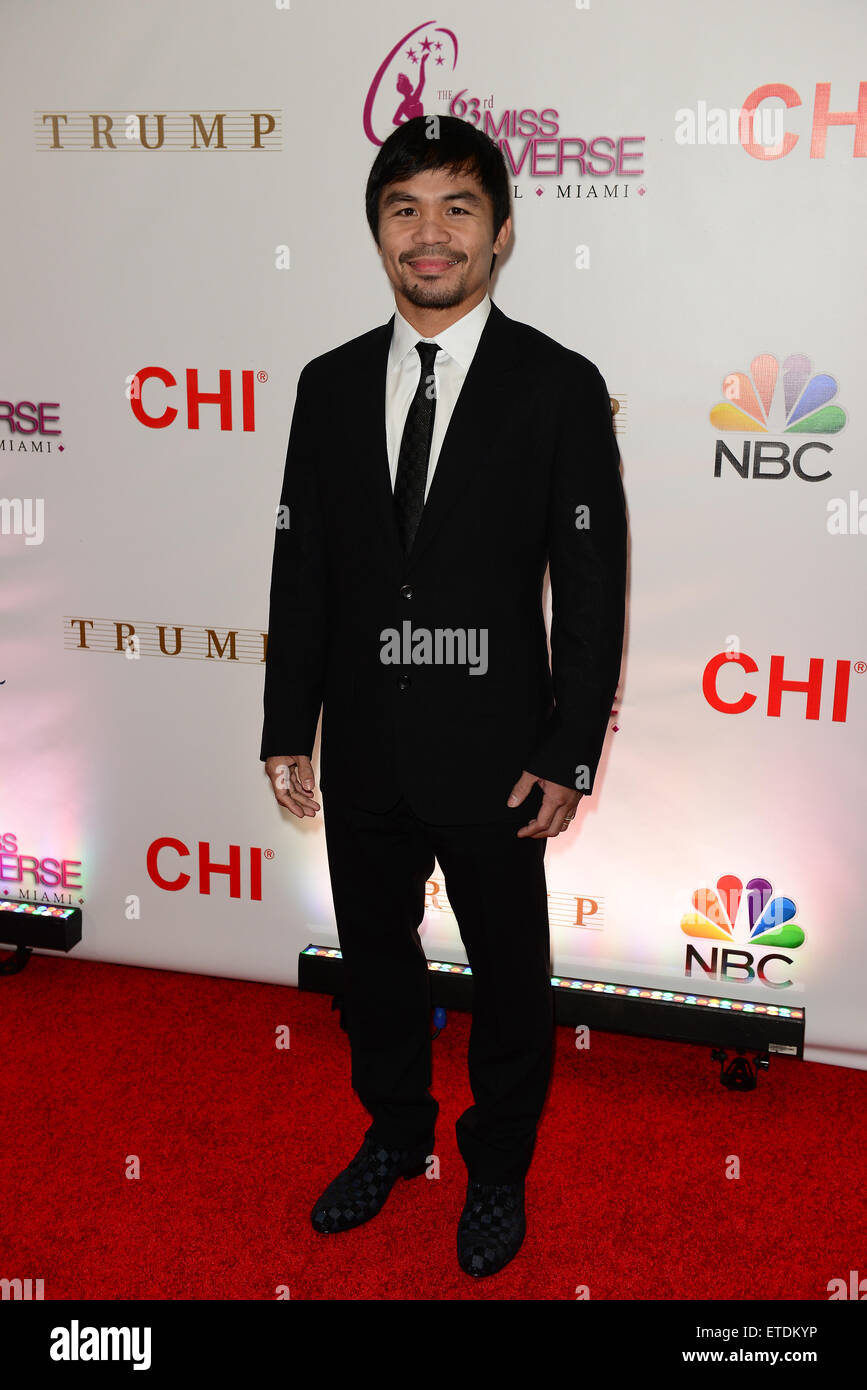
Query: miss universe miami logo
[[396, 93]]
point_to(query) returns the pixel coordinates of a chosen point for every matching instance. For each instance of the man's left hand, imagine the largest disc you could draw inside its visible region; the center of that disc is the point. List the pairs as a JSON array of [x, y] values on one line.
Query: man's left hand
[[556, 812]]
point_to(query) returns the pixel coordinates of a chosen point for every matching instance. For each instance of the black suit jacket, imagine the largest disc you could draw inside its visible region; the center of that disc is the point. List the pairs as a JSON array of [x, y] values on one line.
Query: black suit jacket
[[530, 442]]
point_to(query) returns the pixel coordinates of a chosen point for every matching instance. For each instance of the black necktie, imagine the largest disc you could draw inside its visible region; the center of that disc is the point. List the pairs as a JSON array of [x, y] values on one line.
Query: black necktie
[[411, 479]]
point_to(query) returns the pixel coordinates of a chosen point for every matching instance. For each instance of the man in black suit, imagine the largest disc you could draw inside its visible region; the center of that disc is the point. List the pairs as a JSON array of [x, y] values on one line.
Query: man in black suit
[[436, 466]]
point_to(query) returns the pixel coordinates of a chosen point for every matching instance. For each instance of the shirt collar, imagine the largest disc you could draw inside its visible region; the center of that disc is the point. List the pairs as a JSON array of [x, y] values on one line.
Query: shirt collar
[[459, 341]]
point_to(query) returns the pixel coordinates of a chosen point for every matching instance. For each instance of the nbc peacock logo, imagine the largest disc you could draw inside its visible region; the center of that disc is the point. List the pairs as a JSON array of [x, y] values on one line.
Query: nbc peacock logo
[[770, 399], [721, 915]]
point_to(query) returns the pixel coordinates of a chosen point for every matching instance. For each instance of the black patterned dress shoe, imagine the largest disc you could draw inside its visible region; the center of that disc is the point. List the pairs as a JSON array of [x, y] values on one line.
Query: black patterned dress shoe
[[491, 1228], [359, 1192]]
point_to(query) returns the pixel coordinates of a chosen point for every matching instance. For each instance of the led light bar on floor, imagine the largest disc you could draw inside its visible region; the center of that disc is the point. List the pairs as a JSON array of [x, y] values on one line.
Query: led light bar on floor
[[677, 1015], [50, 927]]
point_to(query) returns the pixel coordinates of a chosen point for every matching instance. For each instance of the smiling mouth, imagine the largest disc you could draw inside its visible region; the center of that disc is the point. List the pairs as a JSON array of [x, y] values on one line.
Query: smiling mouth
[[434, 262]]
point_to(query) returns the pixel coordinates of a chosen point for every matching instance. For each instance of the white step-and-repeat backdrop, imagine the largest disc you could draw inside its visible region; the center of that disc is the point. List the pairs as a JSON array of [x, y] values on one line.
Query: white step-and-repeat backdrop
[[183, 228]]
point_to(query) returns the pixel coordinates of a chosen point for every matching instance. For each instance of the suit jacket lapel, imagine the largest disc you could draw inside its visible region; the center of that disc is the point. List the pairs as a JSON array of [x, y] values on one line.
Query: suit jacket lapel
[[368, 380], [485, 394]]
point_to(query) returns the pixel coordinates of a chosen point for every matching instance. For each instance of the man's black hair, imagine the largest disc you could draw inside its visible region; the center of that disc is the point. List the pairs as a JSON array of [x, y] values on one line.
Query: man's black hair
[[450, 144]]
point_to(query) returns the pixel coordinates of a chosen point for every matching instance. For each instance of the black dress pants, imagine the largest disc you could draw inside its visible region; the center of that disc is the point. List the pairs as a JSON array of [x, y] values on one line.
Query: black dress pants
[[379, 864]]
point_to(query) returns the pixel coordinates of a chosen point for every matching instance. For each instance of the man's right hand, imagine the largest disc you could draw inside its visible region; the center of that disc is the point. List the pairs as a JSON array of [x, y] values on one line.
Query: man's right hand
[[293, 783]]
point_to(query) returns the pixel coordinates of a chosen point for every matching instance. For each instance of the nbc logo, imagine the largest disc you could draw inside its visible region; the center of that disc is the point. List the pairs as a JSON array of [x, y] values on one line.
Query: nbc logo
[[768, 400], [715, 915]]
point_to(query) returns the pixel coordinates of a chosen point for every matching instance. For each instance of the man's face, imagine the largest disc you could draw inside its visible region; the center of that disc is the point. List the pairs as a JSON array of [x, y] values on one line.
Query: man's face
[[436, 238]]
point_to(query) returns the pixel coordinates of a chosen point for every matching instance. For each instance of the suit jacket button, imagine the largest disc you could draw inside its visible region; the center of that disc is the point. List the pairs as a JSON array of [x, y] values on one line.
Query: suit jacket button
[[406, 591], [403, 682]]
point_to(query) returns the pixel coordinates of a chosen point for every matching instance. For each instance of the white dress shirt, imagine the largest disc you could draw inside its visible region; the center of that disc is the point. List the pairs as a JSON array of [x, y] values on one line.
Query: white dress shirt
[[457, 348]]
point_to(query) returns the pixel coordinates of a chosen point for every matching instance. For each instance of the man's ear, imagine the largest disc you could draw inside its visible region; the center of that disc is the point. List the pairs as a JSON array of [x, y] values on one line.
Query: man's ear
[[501, 240]]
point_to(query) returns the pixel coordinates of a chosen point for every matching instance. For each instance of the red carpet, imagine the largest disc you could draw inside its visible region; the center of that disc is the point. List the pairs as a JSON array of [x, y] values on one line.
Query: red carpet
[[627, 1194]]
